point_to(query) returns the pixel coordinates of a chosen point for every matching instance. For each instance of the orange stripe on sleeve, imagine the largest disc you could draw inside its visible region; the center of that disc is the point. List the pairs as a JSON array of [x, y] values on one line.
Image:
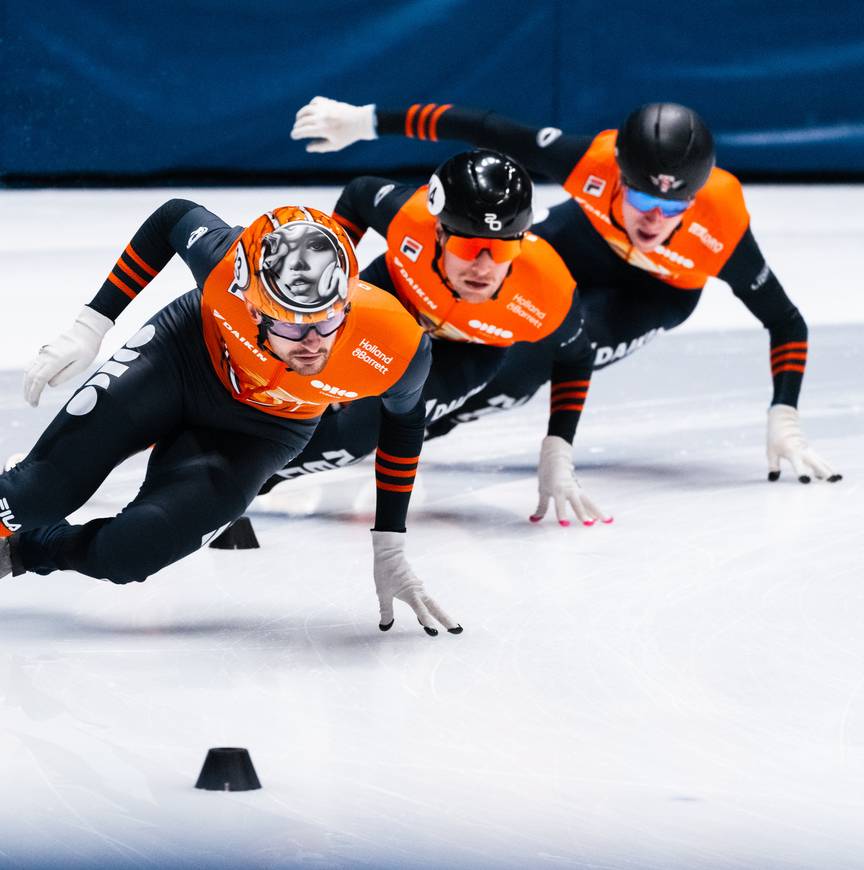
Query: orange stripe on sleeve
[[433, 121], [121, 286], [394, 472], [791, 345], [566, 407], [136, 278], [567, 384], [392, 487], [409, 118], [131, 252], [788, 356], [427, 109], [569, 394], [402, 460], [787, 368]]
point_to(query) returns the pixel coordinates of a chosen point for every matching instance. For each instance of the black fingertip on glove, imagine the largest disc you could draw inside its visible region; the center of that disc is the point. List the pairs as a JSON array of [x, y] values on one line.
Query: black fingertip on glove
[[804, 479], [388, 626], [834, 478], [457, 630], [773, 475]]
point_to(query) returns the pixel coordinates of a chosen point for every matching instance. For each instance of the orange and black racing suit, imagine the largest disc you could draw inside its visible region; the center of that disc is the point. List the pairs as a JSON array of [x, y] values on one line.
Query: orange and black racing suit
[[627, 297]]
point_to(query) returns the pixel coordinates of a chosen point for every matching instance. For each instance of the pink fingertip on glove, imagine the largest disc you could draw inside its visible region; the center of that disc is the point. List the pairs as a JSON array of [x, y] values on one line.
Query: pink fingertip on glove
[[609, 520], [588, 522], [564, 523], [534, 519]]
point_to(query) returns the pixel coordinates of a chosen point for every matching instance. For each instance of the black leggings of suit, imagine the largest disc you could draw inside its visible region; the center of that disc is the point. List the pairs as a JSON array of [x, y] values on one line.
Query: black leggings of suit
[[619, 321], [349, 432], [210, 458]]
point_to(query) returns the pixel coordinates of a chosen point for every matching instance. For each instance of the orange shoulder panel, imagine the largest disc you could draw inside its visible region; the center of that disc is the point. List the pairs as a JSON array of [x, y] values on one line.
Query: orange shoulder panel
[[532, 301], [697, 250]]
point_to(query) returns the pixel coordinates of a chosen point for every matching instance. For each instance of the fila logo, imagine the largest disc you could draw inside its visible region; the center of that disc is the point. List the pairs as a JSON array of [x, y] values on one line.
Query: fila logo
[[594, 186], [666, 182], [547, 136], [7, 517], [411, 248], [334, 391], [492, 221], [382, 192], [490, 329], [195, 236]]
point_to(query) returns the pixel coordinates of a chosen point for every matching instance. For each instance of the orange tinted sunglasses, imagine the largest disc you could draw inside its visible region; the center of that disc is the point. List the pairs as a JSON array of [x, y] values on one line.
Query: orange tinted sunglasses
[[500, 250]]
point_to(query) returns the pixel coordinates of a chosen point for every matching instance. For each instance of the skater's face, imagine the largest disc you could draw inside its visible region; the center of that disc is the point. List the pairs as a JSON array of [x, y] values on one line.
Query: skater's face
[[308, 356], [648, 228], [474, 280]]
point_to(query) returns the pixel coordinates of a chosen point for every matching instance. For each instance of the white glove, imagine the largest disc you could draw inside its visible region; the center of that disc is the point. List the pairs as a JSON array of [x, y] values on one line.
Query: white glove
[[786, 441], [67, 355], [556, 481], [395, 579], [334, 125]]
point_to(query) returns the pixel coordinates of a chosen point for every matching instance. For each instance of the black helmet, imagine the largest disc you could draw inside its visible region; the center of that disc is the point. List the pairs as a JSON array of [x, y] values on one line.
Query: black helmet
[[481, 193], [666, 150]]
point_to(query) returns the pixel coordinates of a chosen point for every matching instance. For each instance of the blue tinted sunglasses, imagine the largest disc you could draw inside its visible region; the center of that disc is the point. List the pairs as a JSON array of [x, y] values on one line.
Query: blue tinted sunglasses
[[646, 202]]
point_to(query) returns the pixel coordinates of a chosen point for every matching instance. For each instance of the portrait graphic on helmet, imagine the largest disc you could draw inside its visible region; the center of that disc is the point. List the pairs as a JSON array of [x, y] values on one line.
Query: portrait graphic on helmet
[[300, 266]]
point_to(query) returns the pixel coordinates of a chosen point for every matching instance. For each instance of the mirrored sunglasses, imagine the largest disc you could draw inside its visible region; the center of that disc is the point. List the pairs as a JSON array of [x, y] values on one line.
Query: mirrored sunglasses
[[646, 202], [500, 250]]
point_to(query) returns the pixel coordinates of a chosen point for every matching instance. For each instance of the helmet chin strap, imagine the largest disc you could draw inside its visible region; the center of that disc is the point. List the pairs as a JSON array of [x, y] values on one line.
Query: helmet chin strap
[[438, 266]]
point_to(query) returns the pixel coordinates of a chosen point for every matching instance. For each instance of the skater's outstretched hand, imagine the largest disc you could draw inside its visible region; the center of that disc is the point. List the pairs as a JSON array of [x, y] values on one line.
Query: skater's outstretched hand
[[67, 355], [332, 125], [395, 579], [786, 441], [556, 482]]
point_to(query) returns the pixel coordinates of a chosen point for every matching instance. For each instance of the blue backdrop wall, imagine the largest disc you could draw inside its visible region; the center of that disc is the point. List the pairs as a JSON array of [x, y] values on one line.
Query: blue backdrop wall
[[138, 88]]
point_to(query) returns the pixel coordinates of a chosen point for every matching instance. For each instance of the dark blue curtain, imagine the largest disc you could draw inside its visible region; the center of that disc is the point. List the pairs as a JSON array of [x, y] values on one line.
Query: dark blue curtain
[[192, 86]]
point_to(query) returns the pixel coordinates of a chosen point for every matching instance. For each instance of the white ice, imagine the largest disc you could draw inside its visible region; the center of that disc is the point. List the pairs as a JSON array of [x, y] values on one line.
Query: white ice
[[681, 689]]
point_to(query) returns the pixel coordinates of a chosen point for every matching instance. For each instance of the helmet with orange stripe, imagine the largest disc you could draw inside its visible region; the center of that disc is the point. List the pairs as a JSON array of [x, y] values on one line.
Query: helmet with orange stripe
[[296, 266]]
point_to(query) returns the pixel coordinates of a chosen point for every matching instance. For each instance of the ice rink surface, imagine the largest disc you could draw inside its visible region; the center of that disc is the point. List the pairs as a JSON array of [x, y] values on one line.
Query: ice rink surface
[[681, 689]]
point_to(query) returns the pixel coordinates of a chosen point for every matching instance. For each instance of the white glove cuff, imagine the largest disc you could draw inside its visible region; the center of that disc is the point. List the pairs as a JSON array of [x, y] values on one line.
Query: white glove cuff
[[386, 543], [556, 449], [368, 122], [91, 319], [782, 413]]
